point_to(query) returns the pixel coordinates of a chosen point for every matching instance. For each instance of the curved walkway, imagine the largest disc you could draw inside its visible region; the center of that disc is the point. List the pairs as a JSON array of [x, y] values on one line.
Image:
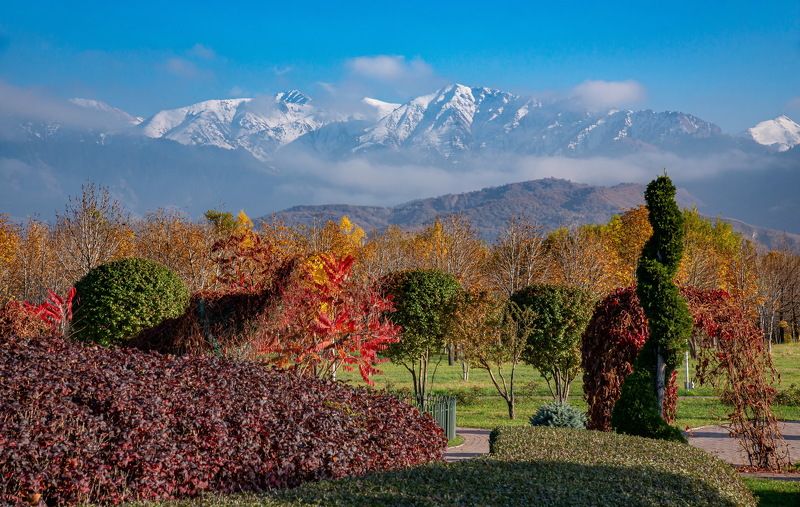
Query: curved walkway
[[717, 441], [713, 439], [476, 443]]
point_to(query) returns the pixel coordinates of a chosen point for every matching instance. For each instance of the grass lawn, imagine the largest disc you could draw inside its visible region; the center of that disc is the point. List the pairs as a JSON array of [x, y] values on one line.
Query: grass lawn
[[458, 440], [771, 493], [696, 407]]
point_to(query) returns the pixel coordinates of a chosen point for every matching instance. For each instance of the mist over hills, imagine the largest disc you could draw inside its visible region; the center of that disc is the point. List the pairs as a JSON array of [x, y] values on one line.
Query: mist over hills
[[550, 203], [265, 154]]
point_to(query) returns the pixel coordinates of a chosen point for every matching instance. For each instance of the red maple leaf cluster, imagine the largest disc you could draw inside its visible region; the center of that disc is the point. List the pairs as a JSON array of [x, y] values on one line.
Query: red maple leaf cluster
[[331, 321], [55, 311]]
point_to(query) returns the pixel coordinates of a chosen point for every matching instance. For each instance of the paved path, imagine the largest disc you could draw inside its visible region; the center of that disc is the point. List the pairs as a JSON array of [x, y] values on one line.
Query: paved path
[[476, 443], [717, 441]]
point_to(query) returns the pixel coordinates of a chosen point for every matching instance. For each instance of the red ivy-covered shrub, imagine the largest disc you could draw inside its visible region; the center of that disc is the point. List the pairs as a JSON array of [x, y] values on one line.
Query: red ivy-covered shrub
[[83, 423], [616, 332], [612, 340]]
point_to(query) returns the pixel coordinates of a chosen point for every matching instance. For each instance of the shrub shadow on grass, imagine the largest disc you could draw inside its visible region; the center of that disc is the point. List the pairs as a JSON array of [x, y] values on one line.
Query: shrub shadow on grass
[[495, 482]]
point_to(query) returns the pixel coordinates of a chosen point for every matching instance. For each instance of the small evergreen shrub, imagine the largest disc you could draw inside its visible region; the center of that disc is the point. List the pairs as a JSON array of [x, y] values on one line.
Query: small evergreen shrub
[[790, 396], [465, 397], [559, 415], [121, 298]]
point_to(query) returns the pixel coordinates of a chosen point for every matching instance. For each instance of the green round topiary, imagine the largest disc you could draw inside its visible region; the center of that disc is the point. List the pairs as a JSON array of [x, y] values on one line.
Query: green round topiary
[[119, 299], [559, 415]]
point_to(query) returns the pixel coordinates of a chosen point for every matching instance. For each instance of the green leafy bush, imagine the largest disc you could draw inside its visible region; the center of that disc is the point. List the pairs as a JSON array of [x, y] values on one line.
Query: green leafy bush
[[559, 415], [119, 299], [599, 468], [425, 302], [790, 396], [560, 315], [466, 397], [538, 466]]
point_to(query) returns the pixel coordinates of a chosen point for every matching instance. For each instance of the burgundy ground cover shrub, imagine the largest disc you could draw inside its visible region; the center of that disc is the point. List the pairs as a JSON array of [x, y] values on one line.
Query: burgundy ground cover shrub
[[87, 423]]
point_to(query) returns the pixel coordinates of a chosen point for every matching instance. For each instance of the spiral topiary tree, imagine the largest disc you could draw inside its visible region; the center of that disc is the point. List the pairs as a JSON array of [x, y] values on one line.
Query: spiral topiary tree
[[641, 408]]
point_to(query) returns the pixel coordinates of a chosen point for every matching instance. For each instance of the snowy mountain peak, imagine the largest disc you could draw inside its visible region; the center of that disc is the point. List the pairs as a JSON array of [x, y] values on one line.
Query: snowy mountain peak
[[292, 97], [781, 133], [259, 125]]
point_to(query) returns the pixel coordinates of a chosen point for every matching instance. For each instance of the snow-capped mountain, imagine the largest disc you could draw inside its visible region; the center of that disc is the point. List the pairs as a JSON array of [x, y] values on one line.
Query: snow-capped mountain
[[186, 157], [454, 121], [379, 107], [102, 107], [781, 133], [459, 119], [259, 125]]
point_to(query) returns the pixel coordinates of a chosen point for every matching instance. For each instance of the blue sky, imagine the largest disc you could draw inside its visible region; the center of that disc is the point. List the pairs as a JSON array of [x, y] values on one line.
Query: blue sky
[[733, 63]]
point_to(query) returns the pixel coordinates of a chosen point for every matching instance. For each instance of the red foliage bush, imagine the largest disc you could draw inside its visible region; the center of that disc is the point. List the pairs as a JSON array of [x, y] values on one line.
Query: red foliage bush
[[52, 316], [86, 423], [223, 321], [615, 334], [17, 319], [609, 346], [329, 321]]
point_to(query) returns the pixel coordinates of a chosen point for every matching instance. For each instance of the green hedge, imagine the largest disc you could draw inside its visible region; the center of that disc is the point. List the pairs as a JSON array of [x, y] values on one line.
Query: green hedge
[[537, 466], [581, 467], [119, 299]]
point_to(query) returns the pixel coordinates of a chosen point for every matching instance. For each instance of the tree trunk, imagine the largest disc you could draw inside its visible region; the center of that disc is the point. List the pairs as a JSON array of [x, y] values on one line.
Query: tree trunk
[[451, 355], [661, 373]]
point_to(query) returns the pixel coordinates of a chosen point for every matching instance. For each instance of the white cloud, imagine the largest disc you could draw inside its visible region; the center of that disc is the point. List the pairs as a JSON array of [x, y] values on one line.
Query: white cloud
[[389, 67], [181, 67], [280, 71], [383, 182], [37, 105], [600, 94], [201, 51], [237, 91]]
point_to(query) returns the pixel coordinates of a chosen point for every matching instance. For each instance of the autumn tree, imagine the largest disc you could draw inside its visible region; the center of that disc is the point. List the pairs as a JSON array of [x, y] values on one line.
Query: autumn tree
[[554, 320], [91, 231], [425, 302], [492, 333], [625, 235], [580, 258], [172, 239], [329, 320], [390, 251], [518, 258], [776, 274], [9, 246], [37, 266], [709, 248], [286, 241], [452, 245]]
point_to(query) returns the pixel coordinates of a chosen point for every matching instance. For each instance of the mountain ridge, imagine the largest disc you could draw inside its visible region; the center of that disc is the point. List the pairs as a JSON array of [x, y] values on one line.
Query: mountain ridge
[[451, 123], [548, 202]]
